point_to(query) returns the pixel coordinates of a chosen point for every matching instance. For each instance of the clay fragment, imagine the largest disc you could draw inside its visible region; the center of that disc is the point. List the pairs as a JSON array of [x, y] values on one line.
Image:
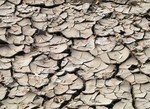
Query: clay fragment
[[3, 91]]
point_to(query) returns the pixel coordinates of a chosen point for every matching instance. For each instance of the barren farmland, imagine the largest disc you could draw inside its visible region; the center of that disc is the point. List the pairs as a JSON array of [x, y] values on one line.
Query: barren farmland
[[63, 54]]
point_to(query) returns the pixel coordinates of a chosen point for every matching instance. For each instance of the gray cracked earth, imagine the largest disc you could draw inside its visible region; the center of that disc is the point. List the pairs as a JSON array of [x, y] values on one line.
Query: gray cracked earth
[[58, 54]]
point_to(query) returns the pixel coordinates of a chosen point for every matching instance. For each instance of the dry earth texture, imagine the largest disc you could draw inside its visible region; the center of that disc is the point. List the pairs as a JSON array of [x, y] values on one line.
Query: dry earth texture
[[58, 54]]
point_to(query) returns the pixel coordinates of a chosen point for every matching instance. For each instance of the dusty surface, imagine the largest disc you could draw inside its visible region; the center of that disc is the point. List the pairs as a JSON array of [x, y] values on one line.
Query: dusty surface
[[57, 55]]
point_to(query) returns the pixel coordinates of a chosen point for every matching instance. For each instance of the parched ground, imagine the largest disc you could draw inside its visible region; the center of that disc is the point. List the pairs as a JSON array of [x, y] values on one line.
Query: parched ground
[[58, 54]]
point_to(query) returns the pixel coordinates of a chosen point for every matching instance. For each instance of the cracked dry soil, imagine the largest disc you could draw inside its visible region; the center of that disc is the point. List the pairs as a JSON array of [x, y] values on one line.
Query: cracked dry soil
[[58, 54]]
